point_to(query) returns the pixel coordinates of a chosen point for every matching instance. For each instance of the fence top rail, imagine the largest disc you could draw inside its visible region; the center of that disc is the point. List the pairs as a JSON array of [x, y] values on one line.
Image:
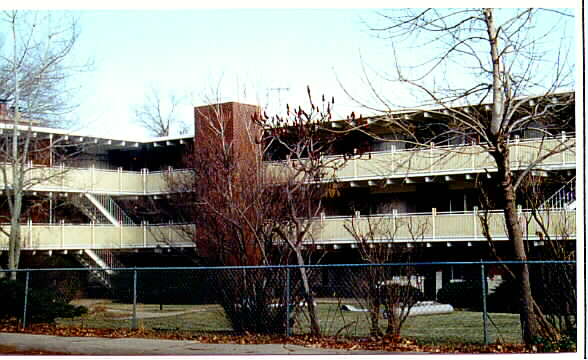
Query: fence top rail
[[274, 267]]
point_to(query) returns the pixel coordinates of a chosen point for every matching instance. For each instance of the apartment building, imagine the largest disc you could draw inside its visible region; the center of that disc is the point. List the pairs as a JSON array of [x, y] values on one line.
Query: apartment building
[[92, 198]]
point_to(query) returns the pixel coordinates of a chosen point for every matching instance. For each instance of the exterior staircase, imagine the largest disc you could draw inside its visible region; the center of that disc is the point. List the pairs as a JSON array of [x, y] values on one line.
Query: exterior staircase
[[102, 209], [87, 207], [563, 198], [102, 262]]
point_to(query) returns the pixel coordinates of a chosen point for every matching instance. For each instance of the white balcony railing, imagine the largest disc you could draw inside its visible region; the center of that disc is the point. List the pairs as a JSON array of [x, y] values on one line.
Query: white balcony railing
[[70, 236], [398, 164], [448, 160], [443, 227], [94, 180], [436, 227]]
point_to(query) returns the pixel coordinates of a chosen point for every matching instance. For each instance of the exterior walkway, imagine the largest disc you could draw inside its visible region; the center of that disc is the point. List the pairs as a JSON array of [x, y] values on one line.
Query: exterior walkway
[[133, 346]]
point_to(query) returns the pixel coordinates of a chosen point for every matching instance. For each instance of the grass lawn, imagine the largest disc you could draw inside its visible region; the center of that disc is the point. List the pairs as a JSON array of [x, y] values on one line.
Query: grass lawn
[[463, 327], [457, 327]]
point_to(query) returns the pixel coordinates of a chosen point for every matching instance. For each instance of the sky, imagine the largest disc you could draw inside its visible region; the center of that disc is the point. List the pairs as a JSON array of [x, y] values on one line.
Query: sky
[[266, 57], [252, 56]]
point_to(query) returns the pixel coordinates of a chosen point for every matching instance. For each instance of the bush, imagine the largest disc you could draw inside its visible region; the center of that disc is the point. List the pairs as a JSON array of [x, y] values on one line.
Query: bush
[[43, 305], [163, 287], [557, 301], [554, 298], [68, 284], [505, 298], [464, 295], [253, 301], [396, 293], [564, 344]]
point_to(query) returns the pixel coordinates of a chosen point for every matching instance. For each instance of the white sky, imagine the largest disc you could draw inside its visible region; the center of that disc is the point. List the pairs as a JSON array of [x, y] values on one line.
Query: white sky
[[244, 54], [252, 56]]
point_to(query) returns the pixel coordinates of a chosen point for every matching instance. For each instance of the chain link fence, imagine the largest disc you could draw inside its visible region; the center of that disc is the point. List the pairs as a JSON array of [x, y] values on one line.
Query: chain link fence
[[459, 302]]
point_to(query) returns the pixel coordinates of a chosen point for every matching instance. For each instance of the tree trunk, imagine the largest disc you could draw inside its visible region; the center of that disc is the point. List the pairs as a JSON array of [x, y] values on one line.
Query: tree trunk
[[14, 248], [314, 324], [529, 322], [393, 328], [374, 312]]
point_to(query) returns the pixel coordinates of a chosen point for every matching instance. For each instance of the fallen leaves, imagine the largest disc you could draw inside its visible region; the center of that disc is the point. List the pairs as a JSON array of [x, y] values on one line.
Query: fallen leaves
[[12, 350], [387, 344]]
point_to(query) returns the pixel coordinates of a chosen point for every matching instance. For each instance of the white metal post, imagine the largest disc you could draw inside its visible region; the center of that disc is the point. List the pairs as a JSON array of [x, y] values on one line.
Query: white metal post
[[30, 230], [434, 216], [62, 233], [119, 170], [93, 234], [143, 225], [475, 221], [92, 176]]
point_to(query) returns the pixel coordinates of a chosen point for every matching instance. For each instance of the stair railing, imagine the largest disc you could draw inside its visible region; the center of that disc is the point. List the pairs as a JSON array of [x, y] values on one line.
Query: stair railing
[[563, 197]]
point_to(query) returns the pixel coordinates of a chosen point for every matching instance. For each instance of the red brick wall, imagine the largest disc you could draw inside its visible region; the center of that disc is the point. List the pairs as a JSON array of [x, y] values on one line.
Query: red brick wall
[[235, 121], [234, 117]]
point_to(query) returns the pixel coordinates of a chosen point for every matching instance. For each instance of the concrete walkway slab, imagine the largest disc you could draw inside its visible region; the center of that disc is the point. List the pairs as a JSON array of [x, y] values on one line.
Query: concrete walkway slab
[[134, 346]]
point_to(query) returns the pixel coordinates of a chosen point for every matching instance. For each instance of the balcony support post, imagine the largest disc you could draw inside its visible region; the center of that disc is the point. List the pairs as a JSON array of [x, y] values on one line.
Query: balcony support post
[[50, 150], [434, 215], [144, 233], [394, 220], [563, 155], [144, 175], [93, 235], [92, 176], [119, 170], [431, 157], [475, 221], [62, 225]]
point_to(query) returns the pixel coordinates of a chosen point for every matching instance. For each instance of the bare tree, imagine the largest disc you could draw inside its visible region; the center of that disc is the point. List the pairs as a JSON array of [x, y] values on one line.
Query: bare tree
[[554, 285], [33, 74], [301, 139], [234, 201], [247, 212], [475, 86], [229, 197], [552, 222], [378, 241], [158, 114], [35, 65]]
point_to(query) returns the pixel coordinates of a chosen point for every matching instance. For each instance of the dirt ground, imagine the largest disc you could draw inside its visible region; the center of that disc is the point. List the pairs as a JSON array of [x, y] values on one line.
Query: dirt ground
[[11, 350]]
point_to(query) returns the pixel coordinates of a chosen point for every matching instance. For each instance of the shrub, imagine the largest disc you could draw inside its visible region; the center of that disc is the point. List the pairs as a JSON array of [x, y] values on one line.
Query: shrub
[[564, 344], [68, 284], [43, 305], [557, 301], [396, 293], [505, 298], [167, 287], [253, 301], [464, 295]]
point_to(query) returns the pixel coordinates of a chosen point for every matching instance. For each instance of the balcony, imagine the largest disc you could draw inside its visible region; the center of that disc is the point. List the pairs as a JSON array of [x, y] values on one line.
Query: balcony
[[442, 227], [435, 161], [75, 237], [93, 180], [437, 228], [450, 160]]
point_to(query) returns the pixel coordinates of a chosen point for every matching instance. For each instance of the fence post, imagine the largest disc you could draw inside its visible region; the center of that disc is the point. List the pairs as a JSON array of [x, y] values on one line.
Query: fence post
[[484, 311], [134, 320], [287, 301], [26, 300]]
